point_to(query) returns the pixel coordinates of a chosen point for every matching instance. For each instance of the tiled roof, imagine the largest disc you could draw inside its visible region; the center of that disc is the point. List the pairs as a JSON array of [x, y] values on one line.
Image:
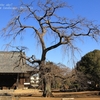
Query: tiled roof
[[11, 62]]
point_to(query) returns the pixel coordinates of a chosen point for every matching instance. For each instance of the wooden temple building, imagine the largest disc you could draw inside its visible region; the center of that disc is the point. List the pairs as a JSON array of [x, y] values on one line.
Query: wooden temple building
[[14, 72]]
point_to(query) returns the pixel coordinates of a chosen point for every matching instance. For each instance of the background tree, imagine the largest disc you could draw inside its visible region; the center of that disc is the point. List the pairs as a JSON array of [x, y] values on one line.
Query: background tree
[[61, 74], [78, 81], [90, 66], [64, 31]]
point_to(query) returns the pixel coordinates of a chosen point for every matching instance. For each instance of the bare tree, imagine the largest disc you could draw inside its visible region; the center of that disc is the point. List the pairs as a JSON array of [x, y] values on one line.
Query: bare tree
[[59, 74], [64, 31]]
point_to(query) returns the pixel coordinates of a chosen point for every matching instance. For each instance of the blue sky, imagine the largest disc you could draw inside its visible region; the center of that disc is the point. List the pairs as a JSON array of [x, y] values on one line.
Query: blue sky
[[84, 8]]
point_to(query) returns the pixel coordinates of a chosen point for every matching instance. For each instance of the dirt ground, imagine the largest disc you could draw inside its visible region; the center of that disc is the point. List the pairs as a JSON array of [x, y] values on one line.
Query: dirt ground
[[33, 94], [32, 98]]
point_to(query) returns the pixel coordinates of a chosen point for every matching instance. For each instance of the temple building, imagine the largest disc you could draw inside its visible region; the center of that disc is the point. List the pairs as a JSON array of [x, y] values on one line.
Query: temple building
[[14, 71]]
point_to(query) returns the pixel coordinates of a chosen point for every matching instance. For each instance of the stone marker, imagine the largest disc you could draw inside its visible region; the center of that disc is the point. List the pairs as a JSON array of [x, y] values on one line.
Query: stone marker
[[67, 99]]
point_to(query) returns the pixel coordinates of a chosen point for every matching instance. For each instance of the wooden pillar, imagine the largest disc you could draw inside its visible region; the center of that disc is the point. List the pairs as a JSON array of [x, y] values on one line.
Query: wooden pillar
[[17, 82]]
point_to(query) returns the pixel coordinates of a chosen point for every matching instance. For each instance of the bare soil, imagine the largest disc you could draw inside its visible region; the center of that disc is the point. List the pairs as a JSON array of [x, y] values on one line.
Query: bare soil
[[33, 94], [58, 98]]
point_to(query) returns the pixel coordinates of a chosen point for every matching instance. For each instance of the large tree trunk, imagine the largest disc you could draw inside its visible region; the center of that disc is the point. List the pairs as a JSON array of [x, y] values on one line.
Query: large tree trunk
[[47, 86], [46, 80]]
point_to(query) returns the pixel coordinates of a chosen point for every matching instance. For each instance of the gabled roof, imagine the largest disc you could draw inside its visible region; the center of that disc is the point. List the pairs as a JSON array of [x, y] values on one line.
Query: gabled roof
[[11, 62]]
